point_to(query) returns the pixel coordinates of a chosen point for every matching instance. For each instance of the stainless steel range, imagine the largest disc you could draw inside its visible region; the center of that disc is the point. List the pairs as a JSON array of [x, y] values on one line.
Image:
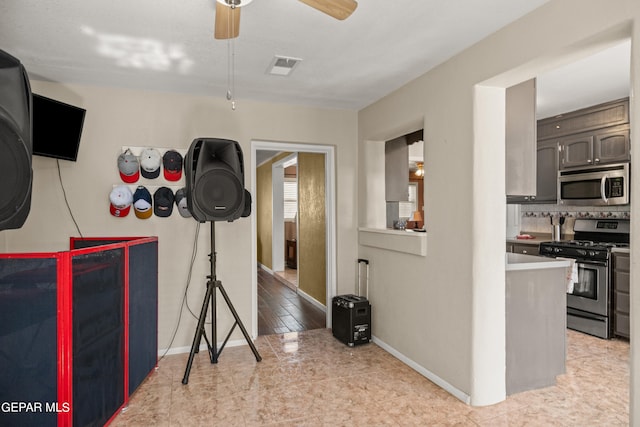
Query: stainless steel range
[[589, 300]]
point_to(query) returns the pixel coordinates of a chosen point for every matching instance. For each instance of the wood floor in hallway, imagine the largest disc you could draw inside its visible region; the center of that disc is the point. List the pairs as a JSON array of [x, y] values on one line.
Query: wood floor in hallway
[[281, 310]]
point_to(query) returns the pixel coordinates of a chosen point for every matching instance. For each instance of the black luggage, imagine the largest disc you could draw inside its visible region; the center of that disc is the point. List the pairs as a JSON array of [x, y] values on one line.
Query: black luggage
[[351, 314]]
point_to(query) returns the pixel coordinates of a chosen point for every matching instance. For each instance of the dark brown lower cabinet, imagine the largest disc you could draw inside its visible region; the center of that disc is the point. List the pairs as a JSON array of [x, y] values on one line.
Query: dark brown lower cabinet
[[621, 287]]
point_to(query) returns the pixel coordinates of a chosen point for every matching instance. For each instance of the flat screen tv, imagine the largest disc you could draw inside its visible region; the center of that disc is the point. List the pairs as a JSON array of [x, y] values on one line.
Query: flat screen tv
[[57, 128]]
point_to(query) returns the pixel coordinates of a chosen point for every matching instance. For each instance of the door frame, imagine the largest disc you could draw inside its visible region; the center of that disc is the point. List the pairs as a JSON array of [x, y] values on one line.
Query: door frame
[[330, 215]]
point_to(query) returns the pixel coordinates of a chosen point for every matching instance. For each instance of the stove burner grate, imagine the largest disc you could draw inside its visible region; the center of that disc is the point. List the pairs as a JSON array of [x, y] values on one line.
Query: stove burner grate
[[592, 244]]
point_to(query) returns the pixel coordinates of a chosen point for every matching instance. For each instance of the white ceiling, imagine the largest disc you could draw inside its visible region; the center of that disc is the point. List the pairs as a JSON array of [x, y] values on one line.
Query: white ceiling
[[603, 76], [168, 45]]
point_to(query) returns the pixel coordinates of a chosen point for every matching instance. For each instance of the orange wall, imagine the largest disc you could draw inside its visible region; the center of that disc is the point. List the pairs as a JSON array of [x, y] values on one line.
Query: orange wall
[[312, 226]]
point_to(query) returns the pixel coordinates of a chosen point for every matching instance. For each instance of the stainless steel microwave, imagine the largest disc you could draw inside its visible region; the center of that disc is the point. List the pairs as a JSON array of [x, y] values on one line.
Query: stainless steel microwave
[[595, 186]]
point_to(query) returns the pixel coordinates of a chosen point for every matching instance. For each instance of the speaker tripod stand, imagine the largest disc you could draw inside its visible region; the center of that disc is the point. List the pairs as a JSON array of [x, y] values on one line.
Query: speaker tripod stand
[[210, 298]]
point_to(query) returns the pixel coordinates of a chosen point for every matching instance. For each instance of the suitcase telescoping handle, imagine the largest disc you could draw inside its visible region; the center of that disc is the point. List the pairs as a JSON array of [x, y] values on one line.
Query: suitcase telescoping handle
[[366, 262]]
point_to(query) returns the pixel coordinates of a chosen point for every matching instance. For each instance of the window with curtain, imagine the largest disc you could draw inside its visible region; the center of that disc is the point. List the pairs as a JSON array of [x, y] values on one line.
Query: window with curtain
[[290, 199]]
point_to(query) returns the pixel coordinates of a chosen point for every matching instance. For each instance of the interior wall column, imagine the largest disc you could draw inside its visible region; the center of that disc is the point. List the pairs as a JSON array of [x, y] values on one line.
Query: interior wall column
[[488, 360]]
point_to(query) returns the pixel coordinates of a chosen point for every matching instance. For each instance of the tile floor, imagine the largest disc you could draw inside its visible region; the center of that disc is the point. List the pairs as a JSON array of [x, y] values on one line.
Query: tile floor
[[311, 379], [288, 277]]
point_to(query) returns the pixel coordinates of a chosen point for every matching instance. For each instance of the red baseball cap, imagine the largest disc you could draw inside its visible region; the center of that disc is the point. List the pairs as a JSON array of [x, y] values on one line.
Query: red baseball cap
[[172, 163]]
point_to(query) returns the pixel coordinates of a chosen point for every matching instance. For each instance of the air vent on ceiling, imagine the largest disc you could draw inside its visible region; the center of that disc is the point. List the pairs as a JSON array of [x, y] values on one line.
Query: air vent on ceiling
[[282, 65]]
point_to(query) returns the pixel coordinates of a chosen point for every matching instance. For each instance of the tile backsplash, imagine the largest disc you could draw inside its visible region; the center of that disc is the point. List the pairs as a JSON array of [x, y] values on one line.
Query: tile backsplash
[[536, 218]]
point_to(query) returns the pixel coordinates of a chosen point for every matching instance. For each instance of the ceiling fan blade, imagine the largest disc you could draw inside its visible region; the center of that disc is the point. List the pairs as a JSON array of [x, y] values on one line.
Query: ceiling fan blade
[[339, 9], [227, 22]]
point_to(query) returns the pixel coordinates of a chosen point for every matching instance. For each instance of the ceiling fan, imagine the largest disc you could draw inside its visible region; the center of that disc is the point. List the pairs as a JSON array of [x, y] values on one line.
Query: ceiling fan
[[228, 13]]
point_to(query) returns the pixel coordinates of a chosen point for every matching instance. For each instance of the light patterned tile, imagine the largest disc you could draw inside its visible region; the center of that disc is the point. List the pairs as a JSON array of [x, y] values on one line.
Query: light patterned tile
[[312, 379]]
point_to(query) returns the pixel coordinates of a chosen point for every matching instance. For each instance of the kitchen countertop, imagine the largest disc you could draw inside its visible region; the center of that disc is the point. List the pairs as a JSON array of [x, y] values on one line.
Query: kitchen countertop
[[515, 262], [621, 250], [537, 239]]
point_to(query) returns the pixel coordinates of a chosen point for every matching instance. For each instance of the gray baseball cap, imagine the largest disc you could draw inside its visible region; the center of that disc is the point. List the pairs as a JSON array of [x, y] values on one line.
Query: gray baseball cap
[[129, 167], [181, 203]]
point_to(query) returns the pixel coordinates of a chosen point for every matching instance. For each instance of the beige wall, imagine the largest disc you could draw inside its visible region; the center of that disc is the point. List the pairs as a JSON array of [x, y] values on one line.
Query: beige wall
[[452, 300], [119, 117], [312, 246]]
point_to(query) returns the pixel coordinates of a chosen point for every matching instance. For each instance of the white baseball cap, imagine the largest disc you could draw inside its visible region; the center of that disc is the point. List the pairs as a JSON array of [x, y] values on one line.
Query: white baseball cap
[[150, 161], [121, 199]]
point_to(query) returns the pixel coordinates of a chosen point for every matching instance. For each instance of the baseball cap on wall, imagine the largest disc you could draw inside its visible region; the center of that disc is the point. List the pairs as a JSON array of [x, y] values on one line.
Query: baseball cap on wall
[[163, 202], [181, 203], [172, 163], [120, 199], [142, 203], [129, 167], [150, 161]]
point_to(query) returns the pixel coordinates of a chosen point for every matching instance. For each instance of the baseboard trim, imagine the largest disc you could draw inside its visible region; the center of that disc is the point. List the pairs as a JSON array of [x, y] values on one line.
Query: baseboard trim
[[459, 394], [424, 372], [203, 347], [312, 300], [265, 268]]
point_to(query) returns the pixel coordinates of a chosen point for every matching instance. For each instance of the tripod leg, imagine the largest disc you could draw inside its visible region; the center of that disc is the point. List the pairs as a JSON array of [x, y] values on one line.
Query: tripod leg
[[213, 351], [197, 338], [239, 322], [210, 297]]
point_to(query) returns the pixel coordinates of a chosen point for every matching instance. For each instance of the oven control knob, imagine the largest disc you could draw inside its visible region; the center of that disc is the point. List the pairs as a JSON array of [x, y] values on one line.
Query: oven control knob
[[592, 253], [557, 250]]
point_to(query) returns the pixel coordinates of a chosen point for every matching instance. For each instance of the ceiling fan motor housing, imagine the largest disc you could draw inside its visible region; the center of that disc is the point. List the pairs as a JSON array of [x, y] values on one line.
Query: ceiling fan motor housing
[[235, 3]]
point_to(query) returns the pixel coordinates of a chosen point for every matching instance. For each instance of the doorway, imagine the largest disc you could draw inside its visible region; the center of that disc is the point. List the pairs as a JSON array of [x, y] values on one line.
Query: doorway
[[263, 248], [284, 224]]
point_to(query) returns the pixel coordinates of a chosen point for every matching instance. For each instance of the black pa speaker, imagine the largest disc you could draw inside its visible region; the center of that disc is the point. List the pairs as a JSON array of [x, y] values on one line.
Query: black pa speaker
[[15, 143], [214, 174]]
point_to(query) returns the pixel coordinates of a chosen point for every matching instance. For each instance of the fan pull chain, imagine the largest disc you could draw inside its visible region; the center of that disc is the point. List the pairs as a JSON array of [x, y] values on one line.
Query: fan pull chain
[[231, 63], [233, 75], [229, 70]]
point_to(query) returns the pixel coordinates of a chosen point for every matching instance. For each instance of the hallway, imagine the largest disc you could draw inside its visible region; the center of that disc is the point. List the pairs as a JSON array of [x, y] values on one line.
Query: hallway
[[282, 310]]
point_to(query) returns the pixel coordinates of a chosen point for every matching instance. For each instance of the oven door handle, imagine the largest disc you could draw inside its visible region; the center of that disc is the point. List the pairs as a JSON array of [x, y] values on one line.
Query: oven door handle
[[603, 189], [587, 264]]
